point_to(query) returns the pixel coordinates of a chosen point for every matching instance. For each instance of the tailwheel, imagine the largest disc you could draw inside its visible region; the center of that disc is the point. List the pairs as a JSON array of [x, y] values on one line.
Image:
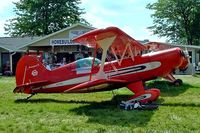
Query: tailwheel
[[178, 82], [142, 101], [31, 95]]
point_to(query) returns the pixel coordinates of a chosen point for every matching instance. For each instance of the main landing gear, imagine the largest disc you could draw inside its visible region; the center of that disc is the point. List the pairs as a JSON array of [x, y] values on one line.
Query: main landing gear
[[178, 82], [142, 99], [138, 106], [171, 78]]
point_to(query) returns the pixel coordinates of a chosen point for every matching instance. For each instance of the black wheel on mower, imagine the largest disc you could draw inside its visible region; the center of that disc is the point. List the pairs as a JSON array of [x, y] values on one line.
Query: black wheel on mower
[[178, 82]]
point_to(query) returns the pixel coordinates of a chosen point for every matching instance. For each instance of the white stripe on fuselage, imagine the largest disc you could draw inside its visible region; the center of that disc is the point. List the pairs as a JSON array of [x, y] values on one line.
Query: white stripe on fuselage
[[119, 72], [68, 82], [148, 66]]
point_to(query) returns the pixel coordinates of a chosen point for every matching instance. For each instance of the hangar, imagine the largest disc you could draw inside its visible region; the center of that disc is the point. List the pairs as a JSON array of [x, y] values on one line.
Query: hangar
[[12, 48]]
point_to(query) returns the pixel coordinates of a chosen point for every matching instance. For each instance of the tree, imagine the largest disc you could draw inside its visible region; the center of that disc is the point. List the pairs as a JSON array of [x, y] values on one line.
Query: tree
[[178, 20], [42, 17]]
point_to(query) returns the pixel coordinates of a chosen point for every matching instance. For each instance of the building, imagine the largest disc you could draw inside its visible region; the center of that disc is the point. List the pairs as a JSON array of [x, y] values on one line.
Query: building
[[10, 51], [59, 43]]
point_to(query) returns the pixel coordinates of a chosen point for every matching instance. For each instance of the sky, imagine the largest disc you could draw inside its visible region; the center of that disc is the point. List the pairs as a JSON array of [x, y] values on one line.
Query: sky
[[129, 15]]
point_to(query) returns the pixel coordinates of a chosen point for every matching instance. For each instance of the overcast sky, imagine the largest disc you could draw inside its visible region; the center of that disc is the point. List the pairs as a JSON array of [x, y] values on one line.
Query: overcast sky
[[129, 15]]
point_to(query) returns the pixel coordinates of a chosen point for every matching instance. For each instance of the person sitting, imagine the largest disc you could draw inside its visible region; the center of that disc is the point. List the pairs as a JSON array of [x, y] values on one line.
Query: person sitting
[[46, 64], [6, 69]]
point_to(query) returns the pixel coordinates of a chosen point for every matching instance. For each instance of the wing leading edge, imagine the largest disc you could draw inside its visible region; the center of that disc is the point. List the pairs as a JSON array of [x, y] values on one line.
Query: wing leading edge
[[91, 85]]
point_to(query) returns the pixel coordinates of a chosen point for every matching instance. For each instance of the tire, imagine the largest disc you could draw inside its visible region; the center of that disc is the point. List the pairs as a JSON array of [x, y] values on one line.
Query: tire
[[178, 82]]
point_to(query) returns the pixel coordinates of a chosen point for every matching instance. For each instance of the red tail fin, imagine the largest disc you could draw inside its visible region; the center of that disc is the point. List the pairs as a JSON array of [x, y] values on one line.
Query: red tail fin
[[30, 71]]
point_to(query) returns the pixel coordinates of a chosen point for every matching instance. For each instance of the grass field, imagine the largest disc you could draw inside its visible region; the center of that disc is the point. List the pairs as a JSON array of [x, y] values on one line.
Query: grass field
[[99, 112]]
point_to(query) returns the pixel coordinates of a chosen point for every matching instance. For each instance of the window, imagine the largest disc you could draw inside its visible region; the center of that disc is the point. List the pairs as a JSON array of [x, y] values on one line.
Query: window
[[190, 55], [87, 62]]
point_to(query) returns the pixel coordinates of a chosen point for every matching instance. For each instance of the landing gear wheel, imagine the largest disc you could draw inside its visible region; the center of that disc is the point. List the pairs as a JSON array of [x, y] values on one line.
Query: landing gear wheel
[[178, 82], [130, 106], [138, 106]]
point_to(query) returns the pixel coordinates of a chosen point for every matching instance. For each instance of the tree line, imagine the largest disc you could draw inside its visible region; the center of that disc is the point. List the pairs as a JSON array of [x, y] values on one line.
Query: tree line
[[177, 20], [43, 17]]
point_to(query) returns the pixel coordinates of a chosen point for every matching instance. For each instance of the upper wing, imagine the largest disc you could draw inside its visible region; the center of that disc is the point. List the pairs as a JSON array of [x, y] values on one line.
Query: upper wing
[[157, 46], [120, 42]]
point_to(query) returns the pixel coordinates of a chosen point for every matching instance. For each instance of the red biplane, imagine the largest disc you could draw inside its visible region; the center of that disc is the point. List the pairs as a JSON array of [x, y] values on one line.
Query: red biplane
[[122, 64]]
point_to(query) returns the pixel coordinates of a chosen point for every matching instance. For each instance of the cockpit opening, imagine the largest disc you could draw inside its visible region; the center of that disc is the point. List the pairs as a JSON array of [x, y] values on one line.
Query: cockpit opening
[[87, 62]]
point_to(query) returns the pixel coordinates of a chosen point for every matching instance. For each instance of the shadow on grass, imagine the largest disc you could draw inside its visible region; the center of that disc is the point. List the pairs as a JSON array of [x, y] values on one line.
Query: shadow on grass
[[168, 89], [193, 105], [49, 100], [109, 113], [116, 100], [104, 112], [161, 102]]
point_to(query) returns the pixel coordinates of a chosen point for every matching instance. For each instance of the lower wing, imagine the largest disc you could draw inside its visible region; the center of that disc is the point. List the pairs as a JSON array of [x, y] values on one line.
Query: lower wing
[[93, 83]]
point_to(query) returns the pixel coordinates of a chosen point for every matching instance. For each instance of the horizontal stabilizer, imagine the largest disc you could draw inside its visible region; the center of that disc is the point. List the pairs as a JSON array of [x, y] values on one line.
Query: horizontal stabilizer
[[20, 88]]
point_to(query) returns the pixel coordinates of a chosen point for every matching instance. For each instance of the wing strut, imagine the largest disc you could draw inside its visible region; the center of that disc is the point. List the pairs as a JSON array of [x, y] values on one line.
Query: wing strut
[[105, 44]]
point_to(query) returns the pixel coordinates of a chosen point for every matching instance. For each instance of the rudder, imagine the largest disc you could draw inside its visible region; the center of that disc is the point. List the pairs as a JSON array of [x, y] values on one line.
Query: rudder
[[29, 70]]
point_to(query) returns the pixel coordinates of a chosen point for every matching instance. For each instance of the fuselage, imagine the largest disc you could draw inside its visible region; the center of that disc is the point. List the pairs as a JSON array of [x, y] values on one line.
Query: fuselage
[[142, 68]]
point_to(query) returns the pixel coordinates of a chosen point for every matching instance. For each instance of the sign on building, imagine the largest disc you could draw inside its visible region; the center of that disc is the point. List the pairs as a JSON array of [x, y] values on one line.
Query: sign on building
[[61, 41], [67, 41]]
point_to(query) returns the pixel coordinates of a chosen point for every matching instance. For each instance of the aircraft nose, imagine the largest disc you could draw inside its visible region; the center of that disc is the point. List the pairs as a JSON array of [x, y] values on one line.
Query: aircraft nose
[[185, 60], [184, 54]]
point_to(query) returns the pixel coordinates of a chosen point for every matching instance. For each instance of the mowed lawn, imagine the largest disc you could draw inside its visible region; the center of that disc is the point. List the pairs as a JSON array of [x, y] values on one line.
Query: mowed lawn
[[99, 112]]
